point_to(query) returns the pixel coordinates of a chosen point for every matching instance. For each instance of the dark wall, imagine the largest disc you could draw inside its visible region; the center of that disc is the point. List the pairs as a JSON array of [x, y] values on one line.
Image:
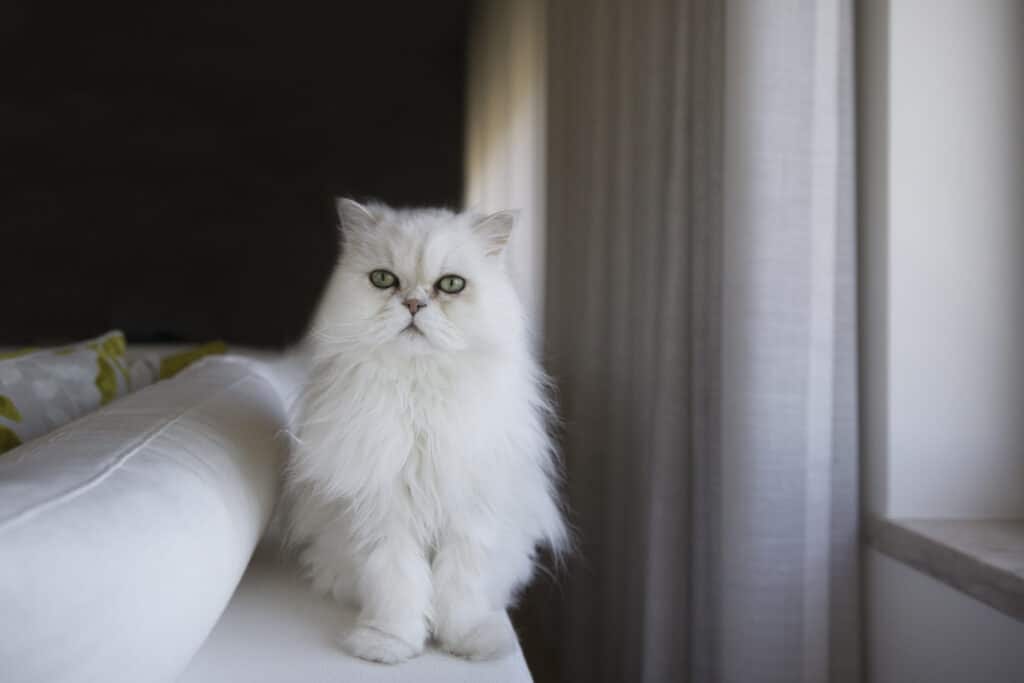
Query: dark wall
[[169, 171]]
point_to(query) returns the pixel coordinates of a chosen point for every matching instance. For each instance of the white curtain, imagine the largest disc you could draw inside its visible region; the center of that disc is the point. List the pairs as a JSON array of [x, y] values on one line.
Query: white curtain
[[505, 132], [700, 324]]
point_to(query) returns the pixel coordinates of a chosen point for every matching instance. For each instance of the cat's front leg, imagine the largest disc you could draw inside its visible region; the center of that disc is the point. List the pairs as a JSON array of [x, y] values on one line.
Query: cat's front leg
[[394, 592], [472, 586]]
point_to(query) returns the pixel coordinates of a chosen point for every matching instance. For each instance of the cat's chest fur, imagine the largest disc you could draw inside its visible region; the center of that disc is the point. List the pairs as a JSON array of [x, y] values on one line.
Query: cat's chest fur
[[421, 433], [442, 444]]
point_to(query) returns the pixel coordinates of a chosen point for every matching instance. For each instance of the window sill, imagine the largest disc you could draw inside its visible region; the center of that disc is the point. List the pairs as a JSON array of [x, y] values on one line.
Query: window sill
[[983, 558]]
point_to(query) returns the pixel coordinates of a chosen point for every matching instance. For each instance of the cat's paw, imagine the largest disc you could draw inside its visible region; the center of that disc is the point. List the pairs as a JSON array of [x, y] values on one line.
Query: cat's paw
[[491, 638], [376, 645]]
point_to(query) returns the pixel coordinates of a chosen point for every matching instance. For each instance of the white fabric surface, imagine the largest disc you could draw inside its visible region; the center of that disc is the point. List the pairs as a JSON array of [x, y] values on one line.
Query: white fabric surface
[[123, 535], [276, 630]]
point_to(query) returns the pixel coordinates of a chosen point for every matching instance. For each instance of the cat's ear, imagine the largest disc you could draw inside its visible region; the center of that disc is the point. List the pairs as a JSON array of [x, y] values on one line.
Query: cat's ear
[[495, 229], [353, 215]]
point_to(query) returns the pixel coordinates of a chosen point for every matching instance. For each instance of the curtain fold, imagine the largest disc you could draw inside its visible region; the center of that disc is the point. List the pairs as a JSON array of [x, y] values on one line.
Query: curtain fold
[[700, 324]]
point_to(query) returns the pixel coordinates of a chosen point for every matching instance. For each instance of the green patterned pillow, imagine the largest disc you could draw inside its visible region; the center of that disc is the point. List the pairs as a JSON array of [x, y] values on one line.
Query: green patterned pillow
[[41, 390]]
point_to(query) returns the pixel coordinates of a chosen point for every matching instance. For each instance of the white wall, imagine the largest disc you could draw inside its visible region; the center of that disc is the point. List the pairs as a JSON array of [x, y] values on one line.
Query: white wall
[[922, 630], [941, 174], [943, 266], [506, 124]]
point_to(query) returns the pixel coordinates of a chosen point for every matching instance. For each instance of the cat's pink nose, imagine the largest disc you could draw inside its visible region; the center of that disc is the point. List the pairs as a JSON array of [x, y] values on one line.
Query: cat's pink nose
[[414, 305]]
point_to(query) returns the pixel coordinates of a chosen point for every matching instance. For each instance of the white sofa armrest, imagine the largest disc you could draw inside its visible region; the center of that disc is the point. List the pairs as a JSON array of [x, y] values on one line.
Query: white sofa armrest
[[123, 535]]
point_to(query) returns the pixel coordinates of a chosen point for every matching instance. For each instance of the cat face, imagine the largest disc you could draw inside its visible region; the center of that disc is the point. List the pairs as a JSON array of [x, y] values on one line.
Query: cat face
[[415, 282]]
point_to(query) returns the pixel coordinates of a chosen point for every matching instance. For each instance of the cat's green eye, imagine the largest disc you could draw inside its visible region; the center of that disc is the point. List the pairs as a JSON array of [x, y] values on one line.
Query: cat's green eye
[[451, 284], [383, 279]]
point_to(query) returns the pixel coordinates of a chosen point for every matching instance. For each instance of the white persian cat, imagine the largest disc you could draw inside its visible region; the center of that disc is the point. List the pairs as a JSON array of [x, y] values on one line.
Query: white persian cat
[[423, 478]]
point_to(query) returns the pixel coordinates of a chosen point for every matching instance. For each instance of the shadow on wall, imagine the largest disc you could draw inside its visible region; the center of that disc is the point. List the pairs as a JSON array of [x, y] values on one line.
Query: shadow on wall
[[171, 174]]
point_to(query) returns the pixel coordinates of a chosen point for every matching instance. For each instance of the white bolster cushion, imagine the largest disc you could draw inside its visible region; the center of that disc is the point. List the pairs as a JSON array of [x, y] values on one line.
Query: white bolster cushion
[[123, 535]]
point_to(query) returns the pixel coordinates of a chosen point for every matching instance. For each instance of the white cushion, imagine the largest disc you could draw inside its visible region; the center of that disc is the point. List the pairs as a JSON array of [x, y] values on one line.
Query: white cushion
[[123, 535], [276, 630]]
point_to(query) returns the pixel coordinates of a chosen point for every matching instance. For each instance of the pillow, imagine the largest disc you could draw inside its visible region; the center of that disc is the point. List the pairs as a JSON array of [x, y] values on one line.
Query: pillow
[[124, 534], [41, 390]]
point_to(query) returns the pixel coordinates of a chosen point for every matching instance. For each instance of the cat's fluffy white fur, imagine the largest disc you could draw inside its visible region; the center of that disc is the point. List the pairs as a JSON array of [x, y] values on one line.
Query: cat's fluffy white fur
[[422, 481]]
